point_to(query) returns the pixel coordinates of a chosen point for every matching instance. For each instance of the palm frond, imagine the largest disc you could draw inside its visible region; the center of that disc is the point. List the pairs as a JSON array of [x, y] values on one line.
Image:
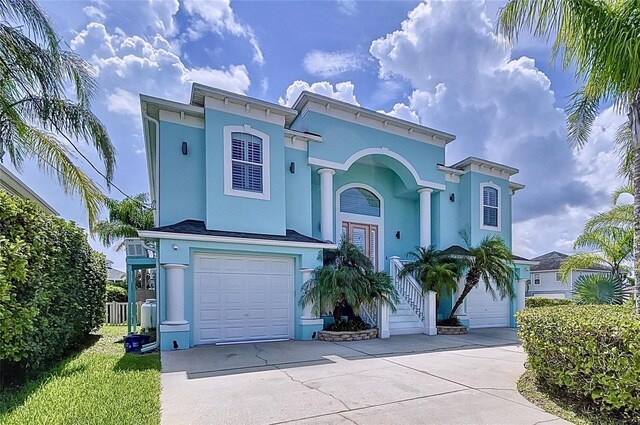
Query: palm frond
[[623, 141], [29, 13], [599, 289], [580, 261]]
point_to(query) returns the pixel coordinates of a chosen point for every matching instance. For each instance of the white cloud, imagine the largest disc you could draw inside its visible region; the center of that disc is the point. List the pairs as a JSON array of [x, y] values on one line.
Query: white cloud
[[123, 102], [404, 112], [133, 64], [94, 13], [347, 7], [218, 16], [465, 82], [342, 91], [329, 64]]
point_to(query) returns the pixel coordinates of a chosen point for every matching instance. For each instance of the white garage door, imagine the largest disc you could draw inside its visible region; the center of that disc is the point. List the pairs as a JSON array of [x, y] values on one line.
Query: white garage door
[[242, 298], [484, 311]]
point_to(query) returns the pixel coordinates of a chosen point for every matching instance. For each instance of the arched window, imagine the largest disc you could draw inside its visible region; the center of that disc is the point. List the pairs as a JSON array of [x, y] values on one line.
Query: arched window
[[490, 207], [359, 201]]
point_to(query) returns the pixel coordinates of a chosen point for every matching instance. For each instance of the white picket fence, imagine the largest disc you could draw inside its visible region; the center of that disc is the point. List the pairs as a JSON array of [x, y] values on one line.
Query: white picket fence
[[116, 313]]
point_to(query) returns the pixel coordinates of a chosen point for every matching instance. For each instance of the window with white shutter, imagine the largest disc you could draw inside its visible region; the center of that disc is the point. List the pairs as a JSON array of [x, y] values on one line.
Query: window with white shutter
[[246, 162], [490, 208]]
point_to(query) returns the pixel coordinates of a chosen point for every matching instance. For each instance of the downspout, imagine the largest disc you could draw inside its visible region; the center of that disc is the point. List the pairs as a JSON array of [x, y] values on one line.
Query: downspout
[[154, 345], [150, 347]]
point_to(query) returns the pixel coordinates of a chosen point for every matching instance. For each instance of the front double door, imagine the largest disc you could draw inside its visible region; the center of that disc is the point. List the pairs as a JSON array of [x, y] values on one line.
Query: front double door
[[365, 237]]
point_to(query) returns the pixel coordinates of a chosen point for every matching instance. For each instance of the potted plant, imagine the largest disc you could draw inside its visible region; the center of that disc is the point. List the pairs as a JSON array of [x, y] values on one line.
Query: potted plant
[[345, 281]]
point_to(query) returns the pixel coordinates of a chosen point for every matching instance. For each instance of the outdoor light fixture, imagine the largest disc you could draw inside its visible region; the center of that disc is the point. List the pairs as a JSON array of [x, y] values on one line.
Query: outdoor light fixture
[[175, 247], [292, 167], [185, 149], [398, 234], [452, 197]]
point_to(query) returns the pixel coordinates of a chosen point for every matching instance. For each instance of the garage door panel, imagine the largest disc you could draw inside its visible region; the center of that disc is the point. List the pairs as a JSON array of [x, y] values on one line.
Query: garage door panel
[[243, 298], [484, 311]]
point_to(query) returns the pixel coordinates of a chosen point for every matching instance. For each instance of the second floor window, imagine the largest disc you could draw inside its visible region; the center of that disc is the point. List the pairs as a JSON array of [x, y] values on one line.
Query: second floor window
[[246, 162], [490, 206]]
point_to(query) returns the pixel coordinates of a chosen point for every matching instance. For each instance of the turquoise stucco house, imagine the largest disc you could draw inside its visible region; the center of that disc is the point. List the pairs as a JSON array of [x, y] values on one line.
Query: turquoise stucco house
[[247, 193]]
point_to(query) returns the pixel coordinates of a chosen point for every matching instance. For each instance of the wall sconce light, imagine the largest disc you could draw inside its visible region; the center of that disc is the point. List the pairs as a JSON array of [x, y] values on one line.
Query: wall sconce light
[[452, 197], [175, 247], [398, 234], [185, 148], [292, 167]]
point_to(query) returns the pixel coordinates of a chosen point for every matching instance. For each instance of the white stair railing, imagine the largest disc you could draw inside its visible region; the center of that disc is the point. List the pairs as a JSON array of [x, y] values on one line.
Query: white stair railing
[[423, 305]]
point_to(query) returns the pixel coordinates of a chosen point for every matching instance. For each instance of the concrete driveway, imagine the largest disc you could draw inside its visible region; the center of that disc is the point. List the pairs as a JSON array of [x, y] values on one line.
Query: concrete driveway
[[467, 379]]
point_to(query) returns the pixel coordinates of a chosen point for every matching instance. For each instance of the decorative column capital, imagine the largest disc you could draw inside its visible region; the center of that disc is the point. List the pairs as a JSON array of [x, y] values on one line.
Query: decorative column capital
[[326, 170], [175, 266], [425, 190]]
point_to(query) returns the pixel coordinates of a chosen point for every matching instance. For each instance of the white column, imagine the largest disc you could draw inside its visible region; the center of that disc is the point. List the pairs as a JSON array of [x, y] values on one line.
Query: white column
[[425, 216], [326, 203], [307, 312], [383, 320], [430, 313], [174, 294], [521, 290]]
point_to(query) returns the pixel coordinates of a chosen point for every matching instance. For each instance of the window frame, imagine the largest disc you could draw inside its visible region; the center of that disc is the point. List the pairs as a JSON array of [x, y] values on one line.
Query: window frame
[[558, 277], [534, 278], [484, 226], [228, 163]]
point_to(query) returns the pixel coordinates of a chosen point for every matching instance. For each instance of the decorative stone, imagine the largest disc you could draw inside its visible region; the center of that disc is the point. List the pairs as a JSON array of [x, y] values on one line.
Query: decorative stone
[[339, 336], [452, 330]]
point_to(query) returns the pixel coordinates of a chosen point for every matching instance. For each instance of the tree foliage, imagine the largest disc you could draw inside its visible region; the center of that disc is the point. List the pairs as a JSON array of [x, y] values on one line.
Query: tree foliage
[[126, 217], [599, 289], [347, 278], [37, 120], [52, 286], [491, 262]]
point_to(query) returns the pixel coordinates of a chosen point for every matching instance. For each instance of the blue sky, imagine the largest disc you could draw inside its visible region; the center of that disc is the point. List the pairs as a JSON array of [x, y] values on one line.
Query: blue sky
[[436, 62]]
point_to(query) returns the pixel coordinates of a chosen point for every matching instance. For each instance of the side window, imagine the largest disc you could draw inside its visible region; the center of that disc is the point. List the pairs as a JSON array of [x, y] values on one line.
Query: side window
[[246, 163], [490, 206], [536, 278], [558, 279]]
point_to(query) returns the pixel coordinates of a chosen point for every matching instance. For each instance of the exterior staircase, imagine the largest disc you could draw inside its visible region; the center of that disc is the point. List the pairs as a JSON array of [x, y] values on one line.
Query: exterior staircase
[[415, 311], [405, 321]]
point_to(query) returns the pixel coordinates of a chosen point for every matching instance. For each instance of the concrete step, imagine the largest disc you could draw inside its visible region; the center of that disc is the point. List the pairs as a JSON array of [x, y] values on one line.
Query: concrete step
[[405, 324], [403, 318], [406, 331]]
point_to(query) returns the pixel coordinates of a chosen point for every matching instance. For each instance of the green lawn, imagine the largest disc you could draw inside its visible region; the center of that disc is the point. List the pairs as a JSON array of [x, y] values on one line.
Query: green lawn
[[99, 385]]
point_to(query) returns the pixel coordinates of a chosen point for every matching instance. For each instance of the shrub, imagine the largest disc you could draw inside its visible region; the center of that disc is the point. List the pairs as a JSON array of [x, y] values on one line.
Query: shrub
[[355, 324], [589, 352], [545, 302], [52, 288], [116, 293], [449, 321]]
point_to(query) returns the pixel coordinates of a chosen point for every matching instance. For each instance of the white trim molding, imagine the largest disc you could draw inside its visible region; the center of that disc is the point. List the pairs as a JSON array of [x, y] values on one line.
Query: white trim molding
[[499, 189], [377, 151], [228, 169], [181, 118], [362, 219], [152, 234]]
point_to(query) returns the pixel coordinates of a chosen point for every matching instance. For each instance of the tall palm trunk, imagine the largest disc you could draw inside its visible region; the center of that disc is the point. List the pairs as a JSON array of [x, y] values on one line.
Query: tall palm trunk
[[634, 120], [473, 278]]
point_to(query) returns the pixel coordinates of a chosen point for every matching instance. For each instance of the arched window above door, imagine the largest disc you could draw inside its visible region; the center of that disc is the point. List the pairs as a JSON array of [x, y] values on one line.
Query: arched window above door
[[358, 200]]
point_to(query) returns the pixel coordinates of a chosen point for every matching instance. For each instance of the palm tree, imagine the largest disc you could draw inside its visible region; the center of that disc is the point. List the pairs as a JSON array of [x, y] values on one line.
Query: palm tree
[[599, 40], [126, 217], [347, 278], [37, 120], [490, 261], [599, 289], [619, 216], [435, 270]]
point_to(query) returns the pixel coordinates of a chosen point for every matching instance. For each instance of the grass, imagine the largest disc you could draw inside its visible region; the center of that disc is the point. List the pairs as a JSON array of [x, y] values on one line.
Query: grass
[[557, 403], [99, 385]]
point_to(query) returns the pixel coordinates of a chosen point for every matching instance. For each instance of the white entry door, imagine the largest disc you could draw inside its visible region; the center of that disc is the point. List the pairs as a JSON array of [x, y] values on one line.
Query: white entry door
[[242, 298], [484, 311]]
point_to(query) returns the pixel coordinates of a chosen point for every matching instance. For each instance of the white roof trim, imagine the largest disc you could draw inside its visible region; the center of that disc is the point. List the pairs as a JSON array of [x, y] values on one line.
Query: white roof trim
[[386, 120], [305, 136], [480, 164], [18, 187], [170, 105], [226, 239]]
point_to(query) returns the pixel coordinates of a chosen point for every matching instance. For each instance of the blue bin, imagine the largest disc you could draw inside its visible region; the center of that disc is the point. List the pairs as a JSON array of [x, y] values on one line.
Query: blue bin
[[133, 343]]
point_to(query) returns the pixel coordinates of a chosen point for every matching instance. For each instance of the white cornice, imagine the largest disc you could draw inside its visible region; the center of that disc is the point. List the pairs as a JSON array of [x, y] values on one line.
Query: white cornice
[[226, 239], [181, 119]]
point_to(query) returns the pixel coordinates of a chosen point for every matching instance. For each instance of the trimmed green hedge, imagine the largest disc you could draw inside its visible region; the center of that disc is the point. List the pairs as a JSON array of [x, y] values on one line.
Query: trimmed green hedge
[[545, 302], [116, 293], [589, 352], [52, 287]]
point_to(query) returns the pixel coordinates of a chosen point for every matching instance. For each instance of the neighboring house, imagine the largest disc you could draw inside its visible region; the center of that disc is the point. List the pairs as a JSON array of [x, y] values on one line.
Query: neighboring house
[[248, 193], [115, 275], [545, 276], [10, 183]]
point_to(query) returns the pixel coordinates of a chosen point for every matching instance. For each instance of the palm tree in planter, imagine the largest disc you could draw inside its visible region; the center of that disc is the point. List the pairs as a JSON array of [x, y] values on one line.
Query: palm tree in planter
[[345, 281], [490, 261], [435, 270]]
